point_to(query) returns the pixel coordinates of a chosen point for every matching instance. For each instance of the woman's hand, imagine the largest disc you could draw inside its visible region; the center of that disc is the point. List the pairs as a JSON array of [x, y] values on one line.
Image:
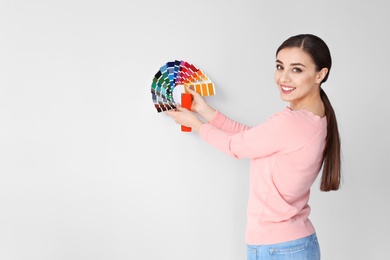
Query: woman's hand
[[200, 106], [183, 116]]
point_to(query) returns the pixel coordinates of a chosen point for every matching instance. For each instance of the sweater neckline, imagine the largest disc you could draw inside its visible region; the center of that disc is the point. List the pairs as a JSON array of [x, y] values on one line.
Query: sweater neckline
[[306, 112]]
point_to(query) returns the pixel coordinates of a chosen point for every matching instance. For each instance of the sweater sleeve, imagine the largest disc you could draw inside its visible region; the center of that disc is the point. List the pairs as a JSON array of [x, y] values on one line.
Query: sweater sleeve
[[283, 132], [226, 124]]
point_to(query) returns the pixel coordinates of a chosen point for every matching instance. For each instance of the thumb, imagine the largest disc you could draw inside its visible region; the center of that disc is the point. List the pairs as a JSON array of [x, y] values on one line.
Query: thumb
[[179, 108], [191, 91]]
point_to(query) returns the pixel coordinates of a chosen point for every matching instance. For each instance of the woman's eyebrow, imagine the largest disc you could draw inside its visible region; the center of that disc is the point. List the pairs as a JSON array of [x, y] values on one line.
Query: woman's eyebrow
[[292, 64], [297, 64]]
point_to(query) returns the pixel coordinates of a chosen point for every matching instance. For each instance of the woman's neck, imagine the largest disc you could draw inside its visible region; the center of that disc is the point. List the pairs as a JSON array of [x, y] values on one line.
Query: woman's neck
[[314, 105]]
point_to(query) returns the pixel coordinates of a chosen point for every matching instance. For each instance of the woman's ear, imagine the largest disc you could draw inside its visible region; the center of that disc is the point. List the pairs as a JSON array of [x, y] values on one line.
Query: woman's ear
[[321, 75]]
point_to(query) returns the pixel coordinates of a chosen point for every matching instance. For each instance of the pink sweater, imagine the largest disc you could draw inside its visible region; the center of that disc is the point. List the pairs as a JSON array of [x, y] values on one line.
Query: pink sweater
[[285, 155]]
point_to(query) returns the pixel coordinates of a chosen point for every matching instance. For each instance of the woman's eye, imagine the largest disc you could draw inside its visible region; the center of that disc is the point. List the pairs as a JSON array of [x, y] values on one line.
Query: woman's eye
[[297, 70], [279, 67]]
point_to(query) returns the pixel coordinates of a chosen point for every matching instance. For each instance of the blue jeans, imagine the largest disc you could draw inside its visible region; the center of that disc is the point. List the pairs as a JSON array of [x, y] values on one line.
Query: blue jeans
[[306, 248]]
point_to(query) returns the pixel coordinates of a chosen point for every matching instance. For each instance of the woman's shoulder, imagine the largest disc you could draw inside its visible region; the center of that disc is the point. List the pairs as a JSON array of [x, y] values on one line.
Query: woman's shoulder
[[302, 114], [298, 118]]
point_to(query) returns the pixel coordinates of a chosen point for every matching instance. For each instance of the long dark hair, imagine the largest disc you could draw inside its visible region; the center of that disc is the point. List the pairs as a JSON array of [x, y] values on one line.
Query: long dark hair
[[331, 159]]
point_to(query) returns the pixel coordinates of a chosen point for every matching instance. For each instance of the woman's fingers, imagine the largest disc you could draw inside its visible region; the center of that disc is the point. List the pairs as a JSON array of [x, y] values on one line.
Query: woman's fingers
[[192, 92]]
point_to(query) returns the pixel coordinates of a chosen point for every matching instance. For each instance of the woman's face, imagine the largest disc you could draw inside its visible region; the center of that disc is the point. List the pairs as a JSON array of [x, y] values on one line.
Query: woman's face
[[296, 77]]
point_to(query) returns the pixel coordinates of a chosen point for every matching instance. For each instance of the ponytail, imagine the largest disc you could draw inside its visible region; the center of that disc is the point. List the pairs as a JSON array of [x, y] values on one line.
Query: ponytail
[[331, 173]]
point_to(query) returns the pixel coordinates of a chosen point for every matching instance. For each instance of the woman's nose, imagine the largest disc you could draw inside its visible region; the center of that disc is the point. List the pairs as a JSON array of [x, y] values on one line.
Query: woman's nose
[[285, 77]]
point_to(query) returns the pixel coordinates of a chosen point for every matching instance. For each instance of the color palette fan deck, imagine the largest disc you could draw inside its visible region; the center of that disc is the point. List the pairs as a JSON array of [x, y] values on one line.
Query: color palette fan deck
[[178, 73]]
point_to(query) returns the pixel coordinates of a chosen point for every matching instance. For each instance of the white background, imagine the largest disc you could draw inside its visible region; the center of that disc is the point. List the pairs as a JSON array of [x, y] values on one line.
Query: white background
[[89, 169]]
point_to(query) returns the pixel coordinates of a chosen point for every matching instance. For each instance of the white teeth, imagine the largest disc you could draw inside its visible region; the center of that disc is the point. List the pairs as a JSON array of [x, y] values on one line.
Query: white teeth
[[287, 88]]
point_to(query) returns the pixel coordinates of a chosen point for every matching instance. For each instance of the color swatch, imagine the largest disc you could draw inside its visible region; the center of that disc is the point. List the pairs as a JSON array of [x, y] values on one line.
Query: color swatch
[[178, 73]]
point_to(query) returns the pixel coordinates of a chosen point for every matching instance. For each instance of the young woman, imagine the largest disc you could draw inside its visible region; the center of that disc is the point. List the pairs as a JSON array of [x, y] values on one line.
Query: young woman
[[287, 151]]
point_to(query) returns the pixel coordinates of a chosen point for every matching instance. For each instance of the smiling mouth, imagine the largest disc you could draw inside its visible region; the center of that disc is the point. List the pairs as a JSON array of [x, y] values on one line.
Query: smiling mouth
[[287, 89]]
